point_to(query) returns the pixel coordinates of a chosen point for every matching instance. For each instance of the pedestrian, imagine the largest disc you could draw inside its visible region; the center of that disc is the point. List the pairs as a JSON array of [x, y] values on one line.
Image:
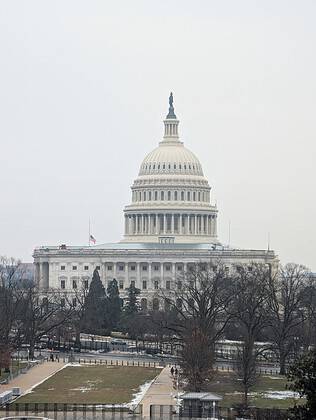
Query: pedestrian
[[172, 371], [176, 372]]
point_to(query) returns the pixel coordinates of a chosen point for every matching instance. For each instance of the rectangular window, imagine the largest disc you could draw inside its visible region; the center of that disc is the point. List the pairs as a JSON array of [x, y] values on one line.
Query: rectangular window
[[74, 284], [74, 267], [179, 285], [144, 284], [121, 267], [156, 284], [133, 267], [168, 267], [109, 268], [156, 267], [98, 267], [121, 284], [144, 267], [168, 284], [133, 283], [86, 284], [86, 267], [62, 284], [179, 268], [63, 267]]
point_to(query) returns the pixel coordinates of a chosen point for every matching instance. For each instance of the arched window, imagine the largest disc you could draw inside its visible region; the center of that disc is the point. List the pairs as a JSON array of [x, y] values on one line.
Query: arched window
[[156, 304], [175, 195], [179, 165], [162, 196], [189, 196], [143, 304], [156, 195], [163, 166], [167, 305], [179, 303], [144, 195], [182, 195], [149, 196], [169, 195], [199, 196], [169, 166], [185, 166], [194, 196], [139, 196], [174, 166]]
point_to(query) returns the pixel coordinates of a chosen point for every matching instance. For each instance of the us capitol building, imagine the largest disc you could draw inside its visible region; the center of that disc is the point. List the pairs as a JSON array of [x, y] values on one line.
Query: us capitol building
[[169, 225]]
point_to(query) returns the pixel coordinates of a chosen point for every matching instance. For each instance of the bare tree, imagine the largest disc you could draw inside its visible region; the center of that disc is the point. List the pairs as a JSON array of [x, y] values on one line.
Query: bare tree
[[40, 315], [250, 311], [308, 329], [199, 304], [286, 312], [10, 332]]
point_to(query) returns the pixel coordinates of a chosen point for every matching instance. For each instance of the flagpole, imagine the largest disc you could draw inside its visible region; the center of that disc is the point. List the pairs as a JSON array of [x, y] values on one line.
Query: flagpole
[[89, 233]]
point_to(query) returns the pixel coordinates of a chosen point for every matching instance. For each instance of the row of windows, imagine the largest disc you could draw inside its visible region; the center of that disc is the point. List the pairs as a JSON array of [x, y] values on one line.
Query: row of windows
[[169, 166], [121, 267], [75, 267], [170, 196], [85, 284]]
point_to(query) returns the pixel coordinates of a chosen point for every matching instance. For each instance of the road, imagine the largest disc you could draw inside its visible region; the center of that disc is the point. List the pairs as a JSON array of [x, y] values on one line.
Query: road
[[145, 358]]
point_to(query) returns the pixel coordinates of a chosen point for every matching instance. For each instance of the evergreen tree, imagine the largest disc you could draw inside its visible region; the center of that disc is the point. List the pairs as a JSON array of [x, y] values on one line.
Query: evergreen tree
[[131, 307], [302, 377], [95, 307], [114, 304]]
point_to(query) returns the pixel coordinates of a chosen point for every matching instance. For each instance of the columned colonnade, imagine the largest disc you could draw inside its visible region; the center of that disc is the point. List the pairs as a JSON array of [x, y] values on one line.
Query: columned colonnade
[[170, 223]]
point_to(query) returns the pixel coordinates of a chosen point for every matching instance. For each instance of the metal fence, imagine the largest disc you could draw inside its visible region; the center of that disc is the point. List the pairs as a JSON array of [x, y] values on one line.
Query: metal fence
[[58, 411]]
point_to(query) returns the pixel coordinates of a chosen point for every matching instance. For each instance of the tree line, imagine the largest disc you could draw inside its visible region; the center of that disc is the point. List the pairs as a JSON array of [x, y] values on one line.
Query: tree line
[[249, 304]]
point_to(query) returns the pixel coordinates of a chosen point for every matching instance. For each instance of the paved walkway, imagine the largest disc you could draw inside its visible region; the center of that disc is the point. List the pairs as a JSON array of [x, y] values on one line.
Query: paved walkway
[[33, 376], [161, 392]]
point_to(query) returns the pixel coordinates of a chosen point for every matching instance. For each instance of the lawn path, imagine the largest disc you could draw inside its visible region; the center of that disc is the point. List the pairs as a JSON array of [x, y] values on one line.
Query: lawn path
[[33, 376], [161, 392]]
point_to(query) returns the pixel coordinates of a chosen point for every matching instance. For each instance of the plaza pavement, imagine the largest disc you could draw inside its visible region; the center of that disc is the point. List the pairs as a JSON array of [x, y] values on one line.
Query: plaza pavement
[[161, 392], [33, 376]]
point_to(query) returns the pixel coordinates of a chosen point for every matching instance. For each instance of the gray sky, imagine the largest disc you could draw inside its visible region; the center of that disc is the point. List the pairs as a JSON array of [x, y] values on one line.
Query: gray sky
[[84, 88]]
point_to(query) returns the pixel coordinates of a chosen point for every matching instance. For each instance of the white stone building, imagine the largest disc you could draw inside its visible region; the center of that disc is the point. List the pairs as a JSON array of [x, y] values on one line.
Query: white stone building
[[169, 225]]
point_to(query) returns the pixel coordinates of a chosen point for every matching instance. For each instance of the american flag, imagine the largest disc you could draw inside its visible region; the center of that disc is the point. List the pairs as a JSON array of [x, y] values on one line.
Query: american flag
[[92, 239]]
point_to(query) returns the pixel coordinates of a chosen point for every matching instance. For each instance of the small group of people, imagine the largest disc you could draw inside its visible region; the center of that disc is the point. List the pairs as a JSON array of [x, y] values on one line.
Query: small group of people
[[53, 359], [174, 371]]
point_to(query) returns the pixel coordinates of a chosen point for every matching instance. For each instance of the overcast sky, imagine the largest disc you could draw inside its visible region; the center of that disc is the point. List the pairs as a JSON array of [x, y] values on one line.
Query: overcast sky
[[83, 91]]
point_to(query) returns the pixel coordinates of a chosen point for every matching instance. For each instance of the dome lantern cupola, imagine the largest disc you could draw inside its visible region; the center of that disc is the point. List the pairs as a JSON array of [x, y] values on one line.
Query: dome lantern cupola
[[171, 123]]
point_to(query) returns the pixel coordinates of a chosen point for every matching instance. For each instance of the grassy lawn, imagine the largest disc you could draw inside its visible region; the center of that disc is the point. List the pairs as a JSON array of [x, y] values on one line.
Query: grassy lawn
[[91, 384], [226, 384]]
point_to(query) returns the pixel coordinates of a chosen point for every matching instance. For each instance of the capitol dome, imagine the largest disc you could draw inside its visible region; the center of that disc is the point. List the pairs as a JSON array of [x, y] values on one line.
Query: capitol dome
[[170, 196], [171, 158]]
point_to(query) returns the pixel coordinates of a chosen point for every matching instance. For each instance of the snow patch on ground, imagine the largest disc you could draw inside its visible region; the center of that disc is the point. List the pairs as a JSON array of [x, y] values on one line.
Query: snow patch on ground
[[281, 395], [141, 393]]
